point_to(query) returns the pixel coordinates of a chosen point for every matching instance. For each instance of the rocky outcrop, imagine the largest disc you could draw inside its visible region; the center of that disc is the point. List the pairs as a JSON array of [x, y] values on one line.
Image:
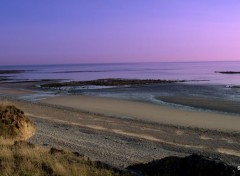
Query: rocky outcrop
[[14, 124], [109, 82], [228, 72], [11, 71], [193, 165]]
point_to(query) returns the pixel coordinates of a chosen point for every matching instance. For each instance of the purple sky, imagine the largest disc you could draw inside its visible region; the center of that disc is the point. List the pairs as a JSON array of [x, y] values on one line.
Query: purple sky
[[94, 31]]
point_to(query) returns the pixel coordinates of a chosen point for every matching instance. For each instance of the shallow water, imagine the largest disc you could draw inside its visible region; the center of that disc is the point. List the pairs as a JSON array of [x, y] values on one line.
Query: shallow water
[[208, 84], [202, 71]]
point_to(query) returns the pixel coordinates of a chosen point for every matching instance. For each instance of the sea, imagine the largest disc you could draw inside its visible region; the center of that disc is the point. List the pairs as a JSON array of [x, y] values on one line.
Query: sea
[[197, 72], [203, 80]]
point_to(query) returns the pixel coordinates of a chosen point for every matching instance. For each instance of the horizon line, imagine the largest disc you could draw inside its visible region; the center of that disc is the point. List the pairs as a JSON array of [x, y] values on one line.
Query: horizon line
[[102, 63]]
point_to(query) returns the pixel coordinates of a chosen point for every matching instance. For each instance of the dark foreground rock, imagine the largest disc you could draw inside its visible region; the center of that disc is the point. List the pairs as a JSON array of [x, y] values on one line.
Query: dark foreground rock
[[193, 165]]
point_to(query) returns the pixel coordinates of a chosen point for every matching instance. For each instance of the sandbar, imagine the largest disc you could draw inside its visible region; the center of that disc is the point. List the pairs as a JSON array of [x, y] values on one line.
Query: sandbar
[[148, 112]]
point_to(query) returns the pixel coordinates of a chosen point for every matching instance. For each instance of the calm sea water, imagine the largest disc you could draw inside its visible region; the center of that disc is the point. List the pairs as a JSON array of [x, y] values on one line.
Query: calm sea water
[[168, 70], [210, 85]]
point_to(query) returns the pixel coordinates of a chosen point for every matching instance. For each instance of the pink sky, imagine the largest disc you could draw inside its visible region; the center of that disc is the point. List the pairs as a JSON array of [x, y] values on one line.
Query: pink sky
[[61, 32]]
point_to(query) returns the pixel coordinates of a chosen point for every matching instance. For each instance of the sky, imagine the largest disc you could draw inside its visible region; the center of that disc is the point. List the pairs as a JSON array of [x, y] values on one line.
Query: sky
[[109, 31]]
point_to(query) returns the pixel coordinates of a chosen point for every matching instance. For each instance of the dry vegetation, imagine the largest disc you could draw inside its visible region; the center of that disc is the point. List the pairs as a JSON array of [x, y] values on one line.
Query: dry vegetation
[[23, 158], [14, 124]]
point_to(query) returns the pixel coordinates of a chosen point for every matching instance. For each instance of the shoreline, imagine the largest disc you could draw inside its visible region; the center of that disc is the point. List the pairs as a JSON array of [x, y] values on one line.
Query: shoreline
[[32, 91], [147, 112], [203, 103], [176, 95], [124, 141]]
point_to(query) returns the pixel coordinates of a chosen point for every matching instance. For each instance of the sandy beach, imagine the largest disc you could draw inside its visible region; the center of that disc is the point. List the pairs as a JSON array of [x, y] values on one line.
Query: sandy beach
[[121, 133], [148, 112]]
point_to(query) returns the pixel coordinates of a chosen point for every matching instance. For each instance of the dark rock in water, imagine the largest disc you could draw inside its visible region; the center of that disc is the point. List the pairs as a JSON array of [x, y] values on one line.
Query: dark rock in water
[[110, 82], [11, 71], [193, 165], [228, 72]]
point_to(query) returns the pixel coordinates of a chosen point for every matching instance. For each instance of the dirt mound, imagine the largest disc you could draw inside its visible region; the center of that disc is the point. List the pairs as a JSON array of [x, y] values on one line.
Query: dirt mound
[[14, 124], [194, 164]]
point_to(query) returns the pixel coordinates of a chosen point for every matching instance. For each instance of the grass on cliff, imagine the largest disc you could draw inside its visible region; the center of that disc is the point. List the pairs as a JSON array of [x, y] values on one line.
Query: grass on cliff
[[23, 158], [14, 124]]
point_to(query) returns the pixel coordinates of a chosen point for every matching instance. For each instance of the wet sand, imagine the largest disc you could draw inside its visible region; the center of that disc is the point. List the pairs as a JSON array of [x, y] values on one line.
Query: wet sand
[[204, 103], [148, 112], [9, 91]]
